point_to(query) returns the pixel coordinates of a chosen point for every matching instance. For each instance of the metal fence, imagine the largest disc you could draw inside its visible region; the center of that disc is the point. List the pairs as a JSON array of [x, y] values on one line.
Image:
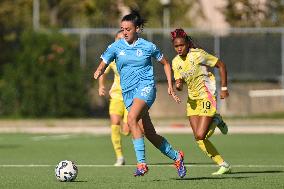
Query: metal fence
[[254, 58], [250, 53]]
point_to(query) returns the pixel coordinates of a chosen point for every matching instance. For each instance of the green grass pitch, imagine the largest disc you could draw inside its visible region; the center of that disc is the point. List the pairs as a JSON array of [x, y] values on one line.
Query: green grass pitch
[[28, 161]]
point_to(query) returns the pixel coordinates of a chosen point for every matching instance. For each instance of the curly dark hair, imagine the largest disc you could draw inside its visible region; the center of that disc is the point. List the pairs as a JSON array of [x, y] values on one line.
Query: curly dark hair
[[180, 33]]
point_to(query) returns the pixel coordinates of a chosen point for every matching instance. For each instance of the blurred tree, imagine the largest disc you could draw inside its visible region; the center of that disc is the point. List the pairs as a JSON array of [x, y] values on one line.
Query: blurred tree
[[107, 13], [15, 16], [153, 12], [45, 80], [84, 13], [275, 14], [255, 13]]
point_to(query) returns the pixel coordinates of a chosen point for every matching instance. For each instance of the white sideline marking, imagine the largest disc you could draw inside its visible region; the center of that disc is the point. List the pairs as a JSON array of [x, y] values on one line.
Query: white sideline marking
[[266, 93], [52, 137], [188, 165], [248, 129]]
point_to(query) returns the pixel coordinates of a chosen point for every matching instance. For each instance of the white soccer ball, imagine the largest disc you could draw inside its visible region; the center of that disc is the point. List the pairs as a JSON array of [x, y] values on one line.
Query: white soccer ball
[[66, 171]]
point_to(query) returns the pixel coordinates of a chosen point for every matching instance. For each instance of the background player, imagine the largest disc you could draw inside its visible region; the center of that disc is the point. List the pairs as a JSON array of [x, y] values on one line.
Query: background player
[[190, 66]]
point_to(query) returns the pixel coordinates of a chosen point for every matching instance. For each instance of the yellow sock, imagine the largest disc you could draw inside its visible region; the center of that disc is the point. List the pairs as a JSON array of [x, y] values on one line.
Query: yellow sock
[[116, 140], [209, 149]]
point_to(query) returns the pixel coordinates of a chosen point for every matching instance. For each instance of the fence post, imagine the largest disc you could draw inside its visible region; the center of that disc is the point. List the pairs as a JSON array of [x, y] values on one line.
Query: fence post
[[221, 104], [282, 59], [36, 15], [83, 48]]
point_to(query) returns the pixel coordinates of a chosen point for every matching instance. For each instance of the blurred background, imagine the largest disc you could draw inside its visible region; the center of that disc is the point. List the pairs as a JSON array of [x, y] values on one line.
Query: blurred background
[[50, 48]]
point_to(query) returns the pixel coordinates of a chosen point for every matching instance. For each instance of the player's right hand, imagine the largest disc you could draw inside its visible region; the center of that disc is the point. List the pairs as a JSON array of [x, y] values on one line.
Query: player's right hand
[[102, 91], [179, 84]]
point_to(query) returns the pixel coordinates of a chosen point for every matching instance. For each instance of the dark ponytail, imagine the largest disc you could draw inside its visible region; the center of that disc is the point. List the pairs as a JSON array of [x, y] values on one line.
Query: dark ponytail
[[135, 18]]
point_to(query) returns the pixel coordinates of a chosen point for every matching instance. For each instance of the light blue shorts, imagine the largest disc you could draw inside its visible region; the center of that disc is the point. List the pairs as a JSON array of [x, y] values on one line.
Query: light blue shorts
[[143, 92]]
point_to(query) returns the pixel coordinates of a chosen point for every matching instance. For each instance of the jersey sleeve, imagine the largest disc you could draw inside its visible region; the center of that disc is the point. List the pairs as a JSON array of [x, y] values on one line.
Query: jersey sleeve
[[156, 53], [207, 59], [109, 55], [177, 74]]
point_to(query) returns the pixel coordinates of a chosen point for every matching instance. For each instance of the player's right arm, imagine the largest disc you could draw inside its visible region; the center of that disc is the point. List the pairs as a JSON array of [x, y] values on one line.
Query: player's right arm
[[102, 91], [167, 69], [107, 57]]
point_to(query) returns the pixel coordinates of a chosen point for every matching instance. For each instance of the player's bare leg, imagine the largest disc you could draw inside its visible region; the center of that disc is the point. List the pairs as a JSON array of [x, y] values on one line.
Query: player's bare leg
[[200, 126]]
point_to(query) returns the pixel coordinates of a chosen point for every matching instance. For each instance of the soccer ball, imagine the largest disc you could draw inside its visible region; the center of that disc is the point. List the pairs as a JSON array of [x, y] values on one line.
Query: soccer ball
[[66, 171]]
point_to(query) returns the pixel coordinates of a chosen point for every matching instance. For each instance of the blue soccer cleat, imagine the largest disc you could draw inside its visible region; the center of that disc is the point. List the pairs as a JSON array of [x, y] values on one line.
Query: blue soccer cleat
[[141, 169], [179, 164]]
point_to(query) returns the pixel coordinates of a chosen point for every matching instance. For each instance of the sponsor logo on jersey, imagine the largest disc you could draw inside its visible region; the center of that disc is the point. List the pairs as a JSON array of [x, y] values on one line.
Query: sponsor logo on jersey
[[121, 53]]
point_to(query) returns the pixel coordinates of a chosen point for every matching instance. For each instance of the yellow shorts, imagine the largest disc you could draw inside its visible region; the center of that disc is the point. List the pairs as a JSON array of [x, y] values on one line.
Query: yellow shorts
[[201, 107], [117, 107]]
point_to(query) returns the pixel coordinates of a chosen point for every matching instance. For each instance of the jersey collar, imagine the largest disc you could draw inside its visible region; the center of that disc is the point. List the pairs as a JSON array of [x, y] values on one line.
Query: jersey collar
[[133, 44]]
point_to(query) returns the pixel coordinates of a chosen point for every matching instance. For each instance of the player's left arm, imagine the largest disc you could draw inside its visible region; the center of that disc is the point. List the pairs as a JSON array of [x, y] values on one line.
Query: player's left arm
[[100, 70], [167, 70], [223, 75]]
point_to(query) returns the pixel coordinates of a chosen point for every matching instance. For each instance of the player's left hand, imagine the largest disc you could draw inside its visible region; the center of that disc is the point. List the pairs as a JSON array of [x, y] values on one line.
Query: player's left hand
[[224, 94], [97, 74], [173, 94]]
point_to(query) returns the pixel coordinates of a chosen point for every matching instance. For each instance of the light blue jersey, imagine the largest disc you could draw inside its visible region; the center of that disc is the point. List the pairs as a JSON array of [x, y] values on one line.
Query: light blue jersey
[[133, 62]]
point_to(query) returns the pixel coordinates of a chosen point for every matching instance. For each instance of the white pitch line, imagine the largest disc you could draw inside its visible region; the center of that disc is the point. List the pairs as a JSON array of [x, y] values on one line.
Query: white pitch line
[[253, 129], [52, 137], [188, 165]]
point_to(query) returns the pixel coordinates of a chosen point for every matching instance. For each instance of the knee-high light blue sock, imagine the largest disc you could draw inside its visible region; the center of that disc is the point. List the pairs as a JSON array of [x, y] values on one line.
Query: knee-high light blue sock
[[139, 147], [167, 149]]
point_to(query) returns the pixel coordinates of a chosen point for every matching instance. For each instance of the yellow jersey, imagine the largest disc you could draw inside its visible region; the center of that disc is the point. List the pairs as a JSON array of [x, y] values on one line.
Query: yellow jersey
[[194, 71], [115, 91]]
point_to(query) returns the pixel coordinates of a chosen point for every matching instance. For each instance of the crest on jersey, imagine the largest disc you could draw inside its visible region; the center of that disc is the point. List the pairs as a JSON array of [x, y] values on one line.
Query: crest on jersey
[[139, 52]]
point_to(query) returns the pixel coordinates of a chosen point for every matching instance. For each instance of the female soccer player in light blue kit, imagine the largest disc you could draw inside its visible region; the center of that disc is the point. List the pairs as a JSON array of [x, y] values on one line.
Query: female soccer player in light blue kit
[[133, 60]]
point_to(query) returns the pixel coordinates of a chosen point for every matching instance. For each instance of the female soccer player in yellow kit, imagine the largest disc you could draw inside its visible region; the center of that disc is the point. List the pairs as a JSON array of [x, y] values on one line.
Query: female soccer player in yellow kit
[[117, 110], [190, 66]]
